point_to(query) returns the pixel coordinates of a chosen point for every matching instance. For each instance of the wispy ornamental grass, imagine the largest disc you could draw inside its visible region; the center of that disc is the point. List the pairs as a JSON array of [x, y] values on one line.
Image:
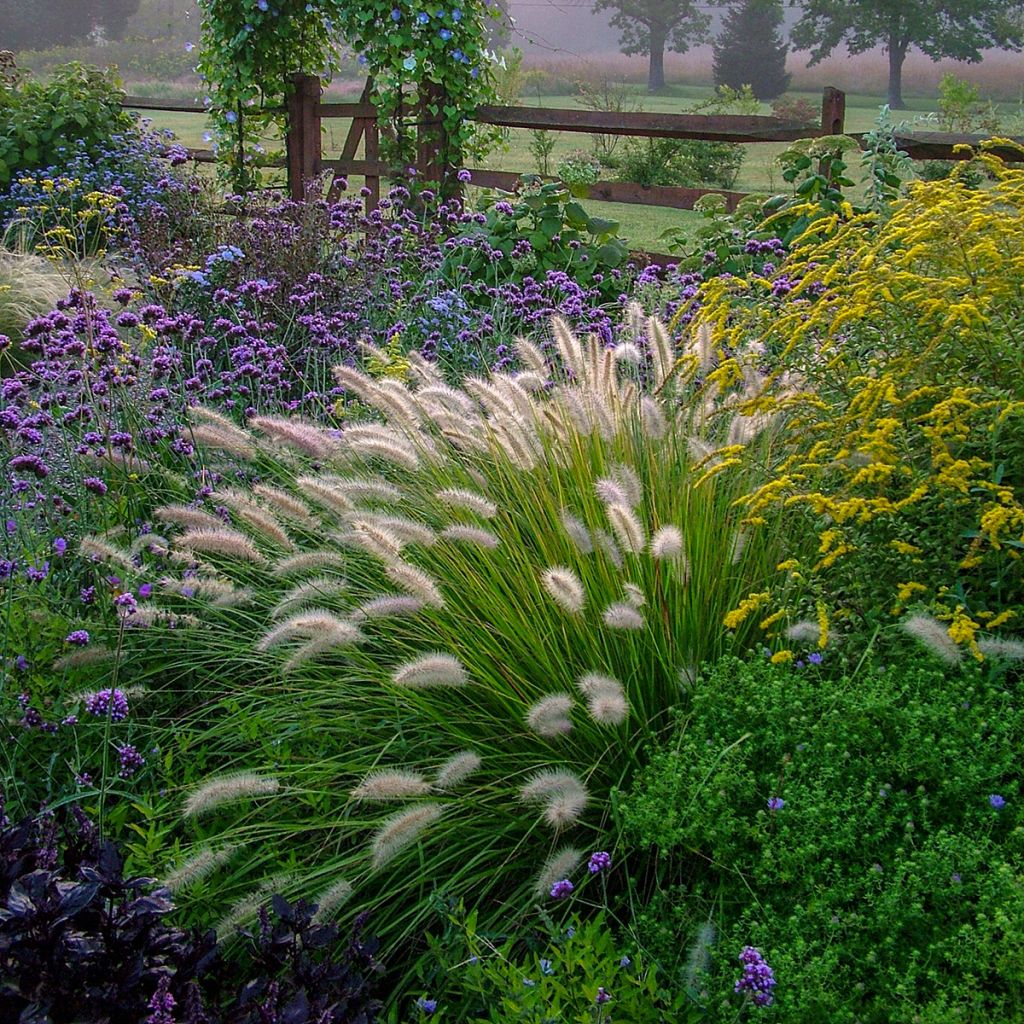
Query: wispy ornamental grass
[[489, 621]]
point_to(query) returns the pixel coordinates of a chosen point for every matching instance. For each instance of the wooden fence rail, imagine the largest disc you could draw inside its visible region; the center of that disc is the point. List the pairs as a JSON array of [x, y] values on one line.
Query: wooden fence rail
[[305, 160]]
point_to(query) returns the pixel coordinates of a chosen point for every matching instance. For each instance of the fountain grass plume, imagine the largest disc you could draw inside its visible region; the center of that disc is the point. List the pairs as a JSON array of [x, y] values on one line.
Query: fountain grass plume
[[227, 789]]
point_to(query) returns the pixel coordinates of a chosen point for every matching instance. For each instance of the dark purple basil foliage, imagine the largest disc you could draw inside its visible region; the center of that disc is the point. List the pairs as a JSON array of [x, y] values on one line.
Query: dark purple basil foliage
[[80, 942], [304, 974]]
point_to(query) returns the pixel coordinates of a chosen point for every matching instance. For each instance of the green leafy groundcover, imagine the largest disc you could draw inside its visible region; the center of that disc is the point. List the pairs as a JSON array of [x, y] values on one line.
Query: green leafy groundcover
[[864, 833]]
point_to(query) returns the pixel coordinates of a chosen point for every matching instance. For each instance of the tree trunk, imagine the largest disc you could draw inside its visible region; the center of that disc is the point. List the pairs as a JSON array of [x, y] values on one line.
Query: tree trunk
[[897, 55], [656, 73]]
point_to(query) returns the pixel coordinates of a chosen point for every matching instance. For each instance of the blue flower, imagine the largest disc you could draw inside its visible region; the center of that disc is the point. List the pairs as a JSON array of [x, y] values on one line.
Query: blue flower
[[776, 803], [815, 658], [546, 967], [263, 5], [456, 15], [409, 63], [396, 14], [423, 17], [189, 47], [426, 1005], [445, 34], [230, 116], [996, 802]]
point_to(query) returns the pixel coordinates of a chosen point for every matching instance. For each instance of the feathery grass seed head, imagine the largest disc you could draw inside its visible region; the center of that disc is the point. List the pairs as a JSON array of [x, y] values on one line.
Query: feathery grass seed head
[[564, 588], [225, 789], [401, 830], [428, 670]]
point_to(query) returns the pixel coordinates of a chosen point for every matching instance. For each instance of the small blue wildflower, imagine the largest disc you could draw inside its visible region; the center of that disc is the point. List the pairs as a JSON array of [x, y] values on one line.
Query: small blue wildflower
[[776, 803], [263, 5], [445, 34], [602, 997], [409, 63], [625, 962], [426, 1005], [816, 658], [423, 17], [189, 47], [456, 14], [396, 14], [996, 802], [230, 116], [546, 967]]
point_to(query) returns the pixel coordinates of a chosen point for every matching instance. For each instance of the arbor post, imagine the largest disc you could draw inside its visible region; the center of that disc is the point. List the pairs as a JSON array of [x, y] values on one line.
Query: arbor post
[[433, 148], [303, 143]]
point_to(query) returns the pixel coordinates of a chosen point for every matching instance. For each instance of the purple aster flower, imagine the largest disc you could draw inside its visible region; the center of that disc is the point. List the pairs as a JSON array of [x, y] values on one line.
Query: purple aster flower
[[602, 997], [816, 658], [776, 803], [600, 861], [562, 889], [996, 802], [78, 638], [758, 978]]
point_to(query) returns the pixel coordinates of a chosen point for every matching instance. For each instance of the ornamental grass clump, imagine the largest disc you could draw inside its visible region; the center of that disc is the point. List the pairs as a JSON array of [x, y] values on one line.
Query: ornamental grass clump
[[504, 590], [902, 464]]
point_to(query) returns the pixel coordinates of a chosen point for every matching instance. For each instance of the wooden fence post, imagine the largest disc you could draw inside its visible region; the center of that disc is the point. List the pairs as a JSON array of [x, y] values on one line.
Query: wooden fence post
[[833, 111], [432, 148], [303, 142]]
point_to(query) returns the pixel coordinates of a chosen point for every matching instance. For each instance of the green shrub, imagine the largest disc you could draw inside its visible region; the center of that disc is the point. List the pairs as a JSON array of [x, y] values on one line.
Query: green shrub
[[38, 119], [850, 828]]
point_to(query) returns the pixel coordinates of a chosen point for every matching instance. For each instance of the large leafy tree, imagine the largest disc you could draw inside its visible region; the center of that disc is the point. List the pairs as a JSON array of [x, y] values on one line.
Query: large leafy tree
[[649, 26], [750, 51], [38, 24], [940, 28]]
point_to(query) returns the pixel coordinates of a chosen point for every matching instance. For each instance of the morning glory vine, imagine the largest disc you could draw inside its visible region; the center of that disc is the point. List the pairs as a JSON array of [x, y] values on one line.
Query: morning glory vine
[[411, 48]]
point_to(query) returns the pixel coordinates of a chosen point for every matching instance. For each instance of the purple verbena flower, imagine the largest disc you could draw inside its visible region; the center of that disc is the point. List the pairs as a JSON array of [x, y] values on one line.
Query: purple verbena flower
[[78, 638], [104, 702], [130, 760], [562, 889], [600, 861], [758, 978]]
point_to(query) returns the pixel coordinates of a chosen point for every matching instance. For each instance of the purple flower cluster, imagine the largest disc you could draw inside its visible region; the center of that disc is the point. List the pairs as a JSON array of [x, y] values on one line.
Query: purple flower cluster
[[758, 978], [129, 760], [599, 861], [108, 702], [562, 889]]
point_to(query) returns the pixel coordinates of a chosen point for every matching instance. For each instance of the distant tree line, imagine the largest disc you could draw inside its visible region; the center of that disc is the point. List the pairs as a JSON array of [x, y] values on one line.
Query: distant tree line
[[39, 24]]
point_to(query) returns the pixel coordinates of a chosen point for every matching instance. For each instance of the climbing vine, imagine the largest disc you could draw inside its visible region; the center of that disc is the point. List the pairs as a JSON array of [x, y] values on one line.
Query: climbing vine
[[428, 60]]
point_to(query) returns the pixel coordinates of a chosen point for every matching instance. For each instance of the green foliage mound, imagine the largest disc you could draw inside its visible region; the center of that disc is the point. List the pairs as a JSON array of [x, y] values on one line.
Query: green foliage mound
[[864, 833]]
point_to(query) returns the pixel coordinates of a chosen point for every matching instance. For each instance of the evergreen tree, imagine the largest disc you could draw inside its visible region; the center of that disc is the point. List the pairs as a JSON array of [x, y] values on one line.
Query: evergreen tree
[[750, 50]]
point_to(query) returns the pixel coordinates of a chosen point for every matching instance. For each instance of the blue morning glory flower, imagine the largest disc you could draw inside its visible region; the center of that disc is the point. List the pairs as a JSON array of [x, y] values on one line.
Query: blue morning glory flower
[[456, 15], [409, 63], [423, 17], [230, 116], [445, 34], [396, 15], [263, 5]]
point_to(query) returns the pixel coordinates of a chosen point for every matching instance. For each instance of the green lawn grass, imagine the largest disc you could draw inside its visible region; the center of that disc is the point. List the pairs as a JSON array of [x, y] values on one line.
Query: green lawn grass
[[640, 225]]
